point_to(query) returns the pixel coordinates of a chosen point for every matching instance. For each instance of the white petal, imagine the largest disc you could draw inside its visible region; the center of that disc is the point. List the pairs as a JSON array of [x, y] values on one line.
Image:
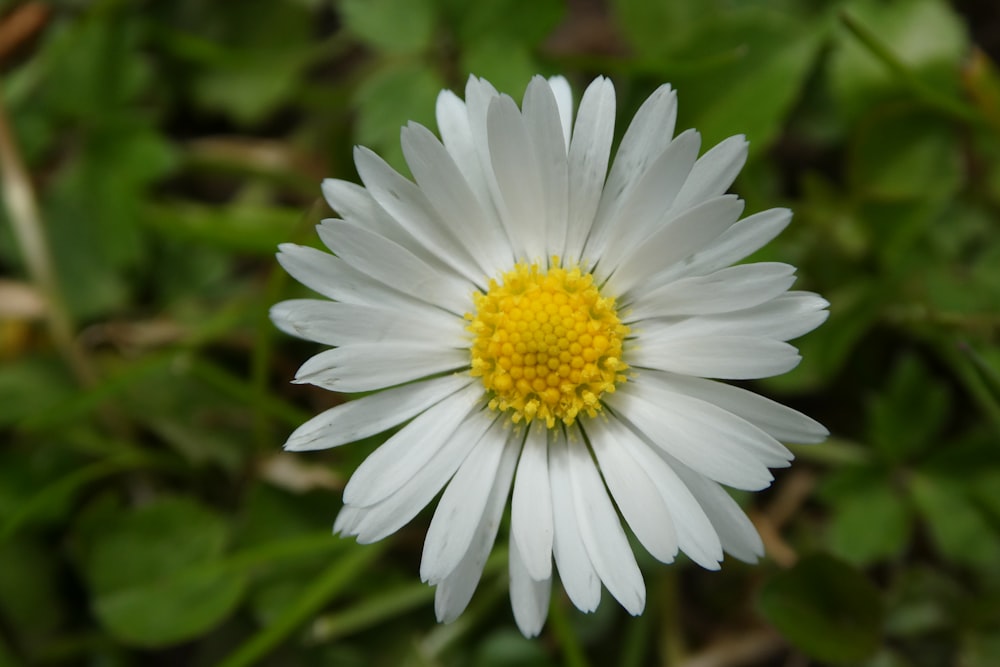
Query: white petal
[[589, 153], [395, 266], [388, 467], [741, 240], [456, 133], [454, 591], [458, 514], [695, 533], [384, 518], [564, 100], [467, 226], [355, 204], [715, 356], [336, 323], [730, 426], [362, 417], [711, 442], [786, 317], [637, 497], [529, 598], [779, 421], [647, 205], [519, 177], [372, 366], [602, 533], [733, 288], [647, 135], [335, 279], [541, 120], [531, 505], [736, 532], [408, 206], [714, 172], [679, 236], [576, 572]]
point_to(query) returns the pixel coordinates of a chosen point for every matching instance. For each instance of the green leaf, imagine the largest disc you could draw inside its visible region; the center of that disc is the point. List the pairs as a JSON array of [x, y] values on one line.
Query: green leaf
[[925, 35], [869, 524], [761, 61], [905, 152], [390, 98], [908, 417], [825, 608], [509, 67], [958, 526], [514, 22], [393, 26], [240, 227], [150, 573]]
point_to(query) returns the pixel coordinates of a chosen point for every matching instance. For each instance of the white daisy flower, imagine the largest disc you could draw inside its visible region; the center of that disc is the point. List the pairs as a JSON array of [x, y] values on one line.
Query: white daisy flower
[[546, 329]]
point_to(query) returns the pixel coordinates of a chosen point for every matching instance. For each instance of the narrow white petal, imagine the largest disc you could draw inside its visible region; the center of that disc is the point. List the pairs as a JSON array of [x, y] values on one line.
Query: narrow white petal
[[454, 591], [388, 467], [336, 323], [722, 450], [529, 598], [362, 417], [335, 279], [395, 266], [589, 153], [355, 204], [479, 94], [563, 95], [519, 177], [779, 421], [408, 206], [531, 505], [679, 236], [542, 122], [460, 510], [637, 497], [696, 535], [785, 317], [647, 135], [741, 240], [714, 171], [736, 532], [372, 366], [576, 572], [733, 288], [456, 133], [647, 205], [726, 425], [602, 533], [375, 522], [466, 226], [722, 357]]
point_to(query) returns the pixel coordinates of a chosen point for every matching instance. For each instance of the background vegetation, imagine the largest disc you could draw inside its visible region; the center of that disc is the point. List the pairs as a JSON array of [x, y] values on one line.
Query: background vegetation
[[147, 513]]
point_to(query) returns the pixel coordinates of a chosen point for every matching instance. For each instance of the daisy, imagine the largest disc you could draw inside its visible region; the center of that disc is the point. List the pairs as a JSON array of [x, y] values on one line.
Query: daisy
[[546, 329]]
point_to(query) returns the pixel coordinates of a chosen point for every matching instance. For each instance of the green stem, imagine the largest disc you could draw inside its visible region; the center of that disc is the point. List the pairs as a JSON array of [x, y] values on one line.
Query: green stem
[[374, 610], [572, 650], [917, 86], [29, 230], [319, 593]]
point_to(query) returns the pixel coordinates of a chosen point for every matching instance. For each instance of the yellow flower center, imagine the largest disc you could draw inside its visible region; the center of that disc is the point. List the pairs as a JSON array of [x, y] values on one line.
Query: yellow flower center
[[547, 344]]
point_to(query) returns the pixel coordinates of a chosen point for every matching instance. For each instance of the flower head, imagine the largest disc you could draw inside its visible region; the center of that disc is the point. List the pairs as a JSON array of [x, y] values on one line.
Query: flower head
[[551, 330]]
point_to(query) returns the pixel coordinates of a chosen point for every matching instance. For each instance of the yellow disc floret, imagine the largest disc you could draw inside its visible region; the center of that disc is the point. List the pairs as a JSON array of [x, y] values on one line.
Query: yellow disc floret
[[547, 344]]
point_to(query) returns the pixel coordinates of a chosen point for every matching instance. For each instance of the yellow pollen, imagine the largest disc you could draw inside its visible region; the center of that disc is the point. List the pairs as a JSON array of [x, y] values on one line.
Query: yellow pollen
[[547, 344]]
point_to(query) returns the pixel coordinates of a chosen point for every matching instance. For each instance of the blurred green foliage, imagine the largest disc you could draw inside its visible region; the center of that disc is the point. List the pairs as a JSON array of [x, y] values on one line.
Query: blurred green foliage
[[147, 515]]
